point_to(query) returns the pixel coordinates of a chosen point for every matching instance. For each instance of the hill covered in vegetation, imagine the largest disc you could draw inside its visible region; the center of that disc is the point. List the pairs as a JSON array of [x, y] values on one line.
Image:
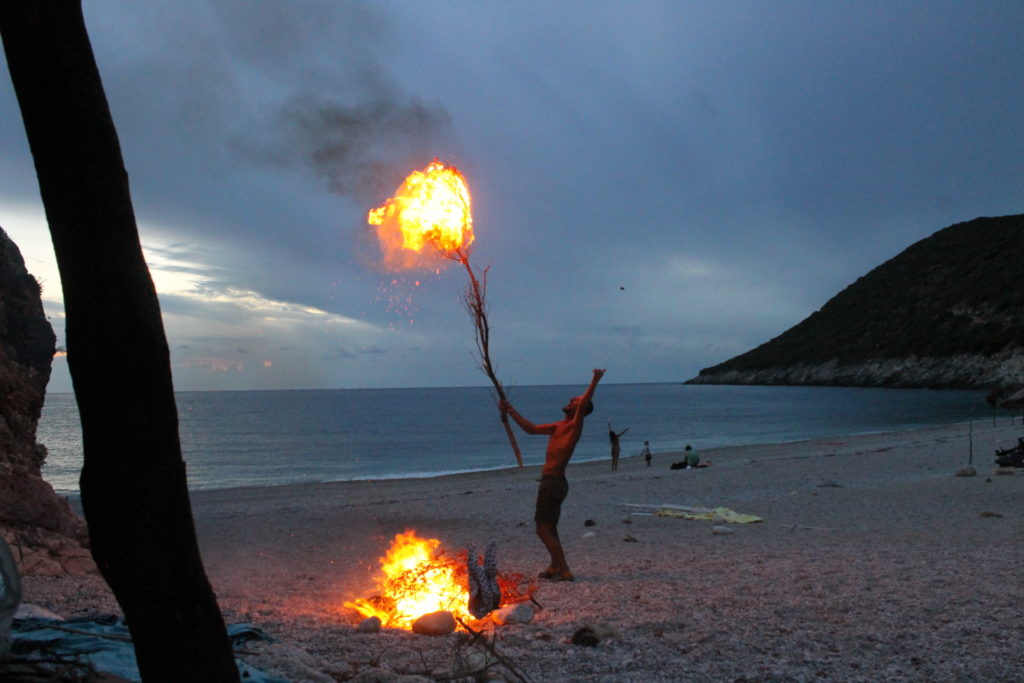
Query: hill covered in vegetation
[[948, 311]]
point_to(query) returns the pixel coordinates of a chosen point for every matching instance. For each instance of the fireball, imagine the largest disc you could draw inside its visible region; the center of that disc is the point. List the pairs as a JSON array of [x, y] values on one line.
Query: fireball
[[430, 215]]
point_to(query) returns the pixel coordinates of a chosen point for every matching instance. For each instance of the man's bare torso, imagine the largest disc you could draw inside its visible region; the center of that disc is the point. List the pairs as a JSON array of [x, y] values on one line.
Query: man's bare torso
[[561, 444]]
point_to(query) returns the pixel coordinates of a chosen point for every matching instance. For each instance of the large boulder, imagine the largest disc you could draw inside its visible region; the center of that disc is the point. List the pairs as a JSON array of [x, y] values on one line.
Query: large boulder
[[45, 535]]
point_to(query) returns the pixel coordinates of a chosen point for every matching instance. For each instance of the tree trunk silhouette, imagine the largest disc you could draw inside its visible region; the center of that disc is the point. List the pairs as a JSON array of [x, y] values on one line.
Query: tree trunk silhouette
[[134, 491]]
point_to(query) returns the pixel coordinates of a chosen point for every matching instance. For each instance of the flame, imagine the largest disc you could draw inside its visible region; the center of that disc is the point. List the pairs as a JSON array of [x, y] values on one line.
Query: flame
[[431, 208], [416, 578]]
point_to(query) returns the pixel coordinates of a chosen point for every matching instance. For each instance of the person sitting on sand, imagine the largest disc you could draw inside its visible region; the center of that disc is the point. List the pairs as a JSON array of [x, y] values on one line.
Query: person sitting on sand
[[692, 459], [554, 487], [613, 438]]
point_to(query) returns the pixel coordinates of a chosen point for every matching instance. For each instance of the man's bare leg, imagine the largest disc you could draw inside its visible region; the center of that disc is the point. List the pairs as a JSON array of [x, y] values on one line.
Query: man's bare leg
[[558, 570]]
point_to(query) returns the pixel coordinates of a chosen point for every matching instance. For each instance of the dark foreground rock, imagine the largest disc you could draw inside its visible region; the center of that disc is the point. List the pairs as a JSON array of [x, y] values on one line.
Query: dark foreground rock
[[45, 535]]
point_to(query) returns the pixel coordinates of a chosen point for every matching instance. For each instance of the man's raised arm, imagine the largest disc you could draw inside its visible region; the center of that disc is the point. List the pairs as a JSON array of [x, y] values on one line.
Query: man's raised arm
[[581, 407], [523, 423]]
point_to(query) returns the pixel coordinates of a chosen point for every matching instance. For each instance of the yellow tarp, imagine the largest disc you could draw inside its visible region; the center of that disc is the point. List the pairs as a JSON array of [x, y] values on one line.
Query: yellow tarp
[[717, 514]]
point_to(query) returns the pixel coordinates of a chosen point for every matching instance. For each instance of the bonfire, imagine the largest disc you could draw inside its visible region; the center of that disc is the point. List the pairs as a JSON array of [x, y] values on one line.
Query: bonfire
[[418, 577]]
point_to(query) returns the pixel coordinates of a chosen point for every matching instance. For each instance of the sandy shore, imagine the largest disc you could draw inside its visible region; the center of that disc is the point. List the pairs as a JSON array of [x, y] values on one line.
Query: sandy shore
[[873, 562]]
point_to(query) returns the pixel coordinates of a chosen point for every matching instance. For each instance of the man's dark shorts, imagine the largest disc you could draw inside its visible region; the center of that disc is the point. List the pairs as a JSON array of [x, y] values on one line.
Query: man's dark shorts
[[552, 491]]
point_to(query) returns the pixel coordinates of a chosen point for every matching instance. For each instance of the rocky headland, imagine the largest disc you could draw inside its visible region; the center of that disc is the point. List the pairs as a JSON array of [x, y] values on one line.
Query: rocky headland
[[947, 312]]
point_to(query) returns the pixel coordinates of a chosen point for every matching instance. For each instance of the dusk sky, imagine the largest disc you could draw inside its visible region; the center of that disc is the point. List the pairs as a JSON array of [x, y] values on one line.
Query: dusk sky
[[657, 186]]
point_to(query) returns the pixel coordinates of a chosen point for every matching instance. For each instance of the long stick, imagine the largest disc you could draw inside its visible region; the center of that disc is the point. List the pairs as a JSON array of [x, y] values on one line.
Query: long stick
[[477, 308]]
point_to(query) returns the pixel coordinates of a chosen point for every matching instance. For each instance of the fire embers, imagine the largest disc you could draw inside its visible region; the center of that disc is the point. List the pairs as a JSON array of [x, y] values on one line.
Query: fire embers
[[484, 592]]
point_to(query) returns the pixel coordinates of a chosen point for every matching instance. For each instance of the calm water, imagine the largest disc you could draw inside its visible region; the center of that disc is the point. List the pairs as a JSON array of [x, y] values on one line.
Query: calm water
[[252, 438]]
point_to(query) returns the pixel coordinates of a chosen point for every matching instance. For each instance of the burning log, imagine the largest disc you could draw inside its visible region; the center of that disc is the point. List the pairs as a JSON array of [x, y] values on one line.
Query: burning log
[[433, 208]]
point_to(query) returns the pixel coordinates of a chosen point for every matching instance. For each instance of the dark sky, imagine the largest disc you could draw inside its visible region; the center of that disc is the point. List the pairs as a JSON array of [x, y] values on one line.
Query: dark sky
[[657, 186]]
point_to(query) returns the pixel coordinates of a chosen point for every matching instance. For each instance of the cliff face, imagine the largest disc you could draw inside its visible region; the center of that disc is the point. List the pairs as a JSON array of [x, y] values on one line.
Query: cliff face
[[946, 312], [45, 535]]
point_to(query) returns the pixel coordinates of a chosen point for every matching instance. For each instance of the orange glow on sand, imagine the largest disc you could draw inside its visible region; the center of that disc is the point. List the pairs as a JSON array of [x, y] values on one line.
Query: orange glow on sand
[[429, 216]]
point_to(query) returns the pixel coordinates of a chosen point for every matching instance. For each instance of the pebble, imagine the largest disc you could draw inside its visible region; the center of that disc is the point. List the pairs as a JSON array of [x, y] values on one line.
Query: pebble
[[519, 613], [369, 625]]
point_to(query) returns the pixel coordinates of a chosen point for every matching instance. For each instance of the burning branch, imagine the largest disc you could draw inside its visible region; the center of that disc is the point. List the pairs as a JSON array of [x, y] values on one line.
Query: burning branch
[[433, 207], [475, 302]]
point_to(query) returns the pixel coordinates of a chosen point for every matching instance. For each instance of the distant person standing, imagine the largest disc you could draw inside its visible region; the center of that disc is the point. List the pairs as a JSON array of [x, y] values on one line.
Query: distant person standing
[[692, 459], [614, 439], [646, 452]]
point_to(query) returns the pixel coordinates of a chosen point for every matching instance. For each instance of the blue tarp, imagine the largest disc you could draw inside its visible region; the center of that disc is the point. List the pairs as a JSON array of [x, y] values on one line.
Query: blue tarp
[[105, 644]]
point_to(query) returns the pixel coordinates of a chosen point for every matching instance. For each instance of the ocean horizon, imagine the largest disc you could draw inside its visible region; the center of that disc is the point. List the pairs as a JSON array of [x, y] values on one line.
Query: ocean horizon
[[265, 438]]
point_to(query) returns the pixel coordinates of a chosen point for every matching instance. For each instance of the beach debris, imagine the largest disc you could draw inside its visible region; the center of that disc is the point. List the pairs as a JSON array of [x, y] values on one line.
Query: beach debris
[[722, 530], [589, 522], [439, 623], [968, 471], [519, 613], [589, 534], [697, 512], [990, 514], [1011, 457], [369, 625], [472, 663], [490, 646], [484, 592], [591, 635]]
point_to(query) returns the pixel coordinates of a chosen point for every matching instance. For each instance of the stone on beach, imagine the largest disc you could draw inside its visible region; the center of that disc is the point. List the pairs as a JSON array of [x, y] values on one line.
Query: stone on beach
[[369, 625], [519, 613], [434, 624]]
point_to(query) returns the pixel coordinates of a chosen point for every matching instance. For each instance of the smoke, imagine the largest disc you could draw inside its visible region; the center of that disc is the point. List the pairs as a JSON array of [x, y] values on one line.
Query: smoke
[[361, 151], [364, 151]]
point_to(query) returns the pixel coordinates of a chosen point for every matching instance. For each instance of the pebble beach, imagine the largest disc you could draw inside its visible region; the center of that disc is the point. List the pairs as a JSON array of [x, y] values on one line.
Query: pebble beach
[[873, 561]]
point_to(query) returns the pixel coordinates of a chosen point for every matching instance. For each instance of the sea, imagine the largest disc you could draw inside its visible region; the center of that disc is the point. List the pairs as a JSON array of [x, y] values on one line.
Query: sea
[[235, 439]]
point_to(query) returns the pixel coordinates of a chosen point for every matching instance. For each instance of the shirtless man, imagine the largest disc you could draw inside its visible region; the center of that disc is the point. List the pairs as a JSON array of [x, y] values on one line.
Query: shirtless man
[[554, 487]]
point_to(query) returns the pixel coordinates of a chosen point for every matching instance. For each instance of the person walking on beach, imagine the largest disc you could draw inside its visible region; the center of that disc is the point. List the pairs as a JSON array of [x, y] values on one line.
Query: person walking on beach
[[646, 452], [614, 439], [554, 487]]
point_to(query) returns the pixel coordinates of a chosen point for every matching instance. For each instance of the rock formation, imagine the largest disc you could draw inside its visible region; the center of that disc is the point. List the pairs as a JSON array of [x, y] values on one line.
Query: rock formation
[[947, 312], [45, 535]]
